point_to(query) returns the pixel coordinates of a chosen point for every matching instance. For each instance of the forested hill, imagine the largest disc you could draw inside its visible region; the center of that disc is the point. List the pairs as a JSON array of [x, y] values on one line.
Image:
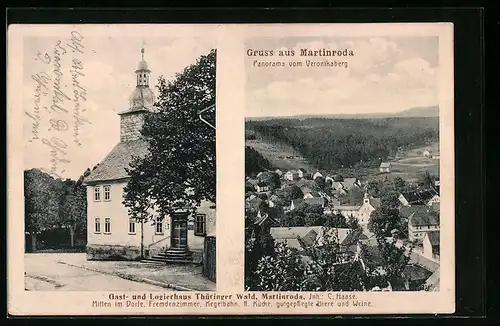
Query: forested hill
[[332, 143]]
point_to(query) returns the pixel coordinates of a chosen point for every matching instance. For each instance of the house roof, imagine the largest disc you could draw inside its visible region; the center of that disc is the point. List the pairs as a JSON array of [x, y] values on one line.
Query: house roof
[[423, 218], [306, 190], [306, 183], [292, 171], [114, 164], [375, 202], [419, 197], [385, 165], [303, 170], [353, 237], [306, 234], [297, 202], [249, 198], [346, 208], [414, 272], [406, 211], [433, 281], [349, 182], [315, 201], [253, 181], [426, 263], [337, 185], [433, 237]]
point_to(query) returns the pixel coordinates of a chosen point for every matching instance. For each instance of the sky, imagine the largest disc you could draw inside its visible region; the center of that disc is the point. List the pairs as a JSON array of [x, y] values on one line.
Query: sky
[[108, 79], [385, 75]]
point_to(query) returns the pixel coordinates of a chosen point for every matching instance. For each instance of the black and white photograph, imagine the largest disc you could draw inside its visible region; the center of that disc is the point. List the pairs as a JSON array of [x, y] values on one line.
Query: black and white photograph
[[119, 162], [342, 164]]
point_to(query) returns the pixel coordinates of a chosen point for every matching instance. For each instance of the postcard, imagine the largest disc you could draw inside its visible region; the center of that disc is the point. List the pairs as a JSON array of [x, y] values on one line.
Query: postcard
[[231, 169]]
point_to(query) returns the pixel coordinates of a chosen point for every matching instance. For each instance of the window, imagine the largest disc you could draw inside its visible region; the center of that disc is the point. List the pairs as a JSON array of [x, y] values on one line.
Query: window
[[107, 225], [200, 224], [107, 193], [131, 226], [97, 225], [159, 226], [97, 193]]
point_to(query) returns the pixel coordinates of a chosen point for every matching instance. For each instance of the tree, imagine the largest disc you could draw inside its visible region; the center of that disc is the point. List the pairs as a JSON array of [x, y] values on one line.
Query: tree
[[356, 196], [373, 188], [255, 162], [320, 182], [400, 185], [292, 193], [306, 215], [40, 203], [179, 170], [336, 221], [426, 180], [386, 217], [72, 213], [352, 223], [325, 269]]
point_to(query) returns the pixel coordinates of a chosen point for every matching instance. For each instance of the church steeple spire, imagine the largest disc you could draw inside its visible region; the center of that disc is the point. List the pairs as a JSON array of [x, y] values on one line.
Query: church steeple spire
[[142, 71]]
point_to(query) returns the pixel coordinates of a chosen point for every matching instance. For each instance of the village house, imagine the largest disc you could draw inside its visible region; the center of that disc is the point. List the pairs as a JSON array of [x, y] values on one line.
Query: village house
[[303, 237], [317, 175], [420, 222], [349, 183], [329, 179], [338, 188], [309, 201], [278, 172], [291, 175], [301, 172], [385, 167], [431, 245], [425, 197], [112, 233], [261, 187], [361, 213]]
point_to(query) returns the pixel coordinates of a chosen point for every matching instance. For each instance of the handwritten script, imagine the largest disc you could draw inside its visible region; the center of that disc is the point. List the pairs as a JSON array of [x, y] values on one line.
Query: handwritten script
[[58, 112]]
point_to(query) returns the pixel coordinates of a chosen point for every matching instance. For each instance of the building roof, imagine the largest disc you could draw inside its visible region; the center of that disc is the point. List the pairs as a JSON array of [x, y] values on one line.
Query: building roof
[[353, 237], [346, 208], [385, 165], [433, 237], [114, 164], [349, 182], [422, 218], [419, 197], [315, 201], [433, 281], [297, 237], [426, 263], [292, 171], [414, 272], [406, 211], [306, 183], [375, 202]]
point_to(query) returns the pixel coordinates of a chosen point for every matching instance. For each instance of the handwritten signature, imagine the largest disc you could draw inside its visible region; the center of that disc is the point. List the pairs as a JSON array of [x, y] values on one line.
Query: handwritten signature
[[52, 96]]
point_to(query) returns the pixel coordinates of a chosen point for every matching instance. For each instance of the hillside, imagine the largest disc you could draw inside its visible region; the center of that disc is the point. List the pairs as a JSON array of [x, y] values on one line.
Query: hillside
[[417, 112], [327, 144]]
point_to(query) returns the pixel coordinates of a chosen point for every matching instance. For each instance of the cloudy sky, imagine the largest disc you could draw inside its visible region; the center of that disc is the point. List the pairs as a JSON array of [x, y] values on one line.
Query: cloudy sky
[[108, 65], [384, 75]]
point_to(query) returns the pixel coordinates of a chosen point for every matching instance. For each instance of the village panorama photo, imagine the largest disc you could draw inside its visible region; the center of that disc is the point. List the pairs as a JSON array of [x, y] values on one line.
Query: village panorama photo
[[119, 163], [342, 165]]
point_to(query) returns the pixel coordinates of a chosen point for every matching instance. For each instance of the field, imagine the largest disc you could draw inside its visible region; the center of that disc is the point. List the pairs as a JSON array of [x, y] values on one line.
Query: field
[[280, 156]]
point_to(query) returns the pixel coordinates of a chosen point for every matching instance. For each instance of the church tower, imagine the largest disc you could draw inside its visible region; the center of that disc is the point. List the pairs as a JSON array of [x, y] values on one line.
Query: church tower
[[140, 104]]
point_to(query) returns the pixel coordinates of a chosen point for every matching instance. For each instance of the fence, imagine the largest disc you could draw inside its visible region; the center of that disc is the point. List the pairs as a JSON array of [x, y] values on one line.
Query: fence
[[209, 258]]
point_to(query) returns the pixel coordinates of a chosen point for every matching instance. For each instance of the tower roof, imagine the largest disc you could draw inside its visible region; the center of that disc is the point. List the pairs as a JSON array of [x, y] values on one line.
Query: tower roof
[[142, 97]]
